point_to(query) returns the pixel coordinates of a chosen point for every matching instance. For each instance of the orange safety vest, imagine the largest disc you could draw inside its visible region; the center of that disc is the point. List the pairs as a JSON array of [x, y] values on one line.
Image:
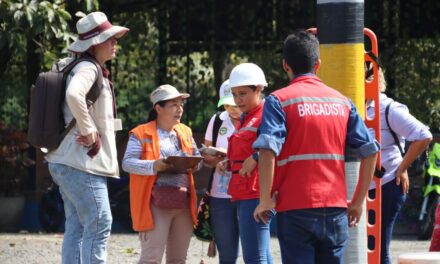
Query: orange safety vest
[[141, 185], [309, 170]]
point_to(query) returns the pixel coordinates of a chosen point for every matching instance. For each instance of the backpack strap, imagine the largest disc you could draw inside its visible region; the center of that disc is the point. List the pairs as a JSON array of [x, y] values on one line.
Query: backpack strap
[[215, 128], [92, 95], [396, 140]]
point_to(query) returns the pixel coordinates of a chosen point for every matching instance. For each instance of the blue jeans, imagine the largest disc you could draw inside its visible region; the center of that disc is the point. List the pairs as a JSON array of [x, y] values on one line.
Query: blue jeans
[[393, 199], [88, 214], [224, 223], [255, 237], [310, 236]]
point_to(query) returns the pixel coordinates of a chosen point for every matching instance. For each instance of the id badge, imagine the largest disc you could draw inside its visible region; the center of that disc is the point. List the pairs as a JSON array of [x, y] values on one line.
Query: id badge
[[117, 124]]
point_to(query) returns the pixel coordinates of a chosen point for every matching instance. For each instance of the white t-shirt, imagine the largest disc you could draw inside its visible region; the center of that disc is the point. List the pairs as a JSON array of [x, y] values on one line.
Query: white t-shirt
[[220, 182]]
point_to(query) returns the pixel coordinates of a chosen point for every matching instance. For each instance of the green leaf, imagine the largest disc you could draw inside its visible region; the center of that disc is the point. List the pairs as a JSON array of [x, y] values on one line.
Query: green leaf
[[18, 16], [50, 15], [29, 18], [96, 4], [80, 14], [44, 4], [89, 5], [16, 6], [53, 29], [64, 14], [33, 5]]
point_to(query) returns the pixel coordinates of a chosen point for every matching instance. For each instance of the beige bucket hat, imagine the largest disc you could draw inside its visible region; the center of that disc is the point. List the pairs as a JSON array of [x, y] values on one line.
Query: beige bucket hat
[[94, 29], [166, 92]]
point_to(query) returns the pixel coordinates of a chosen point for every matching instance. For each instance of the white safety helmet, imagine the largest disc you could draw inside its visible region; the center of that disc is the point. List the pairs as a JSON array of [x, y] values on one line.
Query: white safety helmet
[[247, 74]]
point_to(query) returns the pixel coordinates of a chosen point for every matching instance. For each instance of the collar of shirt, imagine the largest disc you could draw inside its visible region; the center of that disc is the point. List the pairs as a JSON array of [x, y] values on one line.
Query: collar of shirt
[[224, 115], [303, 76], [383, 98], [164, 134], [251, 112]]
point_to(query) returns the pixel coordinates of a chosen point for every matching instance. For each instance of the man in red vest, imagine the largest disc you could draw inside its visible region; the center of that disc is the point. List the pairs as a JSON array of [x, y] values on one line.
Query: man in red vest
[[302, 140]]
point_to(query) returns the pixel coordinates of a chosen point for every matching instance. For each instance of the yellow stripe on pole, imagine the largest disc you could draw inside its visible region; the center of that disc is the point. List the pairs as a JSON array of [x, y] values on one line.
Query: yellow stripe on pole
[[340, 26], [343, 70]]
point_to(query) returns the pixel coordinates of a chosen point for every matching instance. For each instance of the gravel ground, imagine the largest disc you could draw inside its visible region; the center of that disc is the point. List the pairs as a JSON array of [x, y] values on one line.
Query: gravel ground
[[124, 248]]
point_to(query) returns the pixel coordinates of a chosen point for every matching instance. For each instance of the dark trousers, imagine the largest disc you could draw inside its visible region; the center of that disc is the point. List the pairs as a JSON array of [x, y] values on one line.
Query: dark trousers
[[392, 200], [313, 236]]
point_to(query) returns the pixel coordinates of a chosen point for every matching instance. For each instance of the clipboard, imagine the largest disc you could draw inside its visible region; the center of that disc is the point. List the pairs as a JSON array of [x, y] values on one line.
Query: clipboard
[[213, 151], [182, 164]]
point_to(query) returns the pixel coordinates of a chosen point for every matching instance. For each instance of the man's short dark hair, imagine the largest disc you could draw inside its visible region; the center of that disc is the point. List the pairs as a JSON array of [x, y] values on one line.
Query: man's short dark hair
[[301, 51]]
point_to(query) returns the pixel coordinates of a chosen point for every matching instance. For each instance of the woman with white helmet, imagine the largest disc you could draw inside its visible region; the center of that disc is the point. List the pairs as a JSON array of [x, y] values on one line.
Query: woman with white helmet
[[247, 82]]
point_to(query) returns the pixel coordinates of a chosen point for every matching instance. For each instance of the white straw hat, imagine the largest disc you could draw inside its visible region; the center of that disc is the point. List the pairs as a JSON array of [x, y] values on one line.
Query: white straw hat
[[225, 93], [166, 92], [95, 29]]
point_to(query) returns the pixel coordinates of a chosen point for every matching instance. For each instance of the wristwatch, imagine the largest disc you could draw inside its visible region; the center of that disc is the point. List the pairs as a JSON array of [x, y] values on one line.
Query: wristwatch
[[255, 156]]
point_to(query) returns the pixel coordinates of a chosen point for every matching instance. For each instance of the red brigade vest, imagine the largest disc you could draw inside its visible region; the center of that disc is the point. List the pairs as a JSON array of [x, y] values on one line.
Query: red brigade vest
[[239, 149], [309, 171]]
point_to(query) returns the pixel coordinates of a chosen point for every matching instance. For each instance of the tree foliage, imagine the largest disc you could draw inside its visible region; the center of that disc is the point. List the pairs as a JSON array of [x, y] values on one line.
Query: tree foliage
[[29, 24], [43, 22], [193, 44], [135, 67], [416, 68]]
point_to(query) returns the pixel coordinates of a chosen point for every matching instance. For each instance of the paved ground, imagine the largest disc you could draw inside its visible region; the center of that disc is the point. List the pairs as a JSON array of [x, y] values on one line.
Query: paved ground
[[124, 248]]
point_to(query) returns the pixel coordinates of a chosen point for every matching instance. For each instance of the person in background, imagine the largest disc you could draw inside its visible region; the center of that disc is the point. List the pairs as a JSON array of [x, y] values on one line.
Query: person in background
[[247, 82], [163, 203], [87, 156], [433, 170], [395, 183], [305, 129], [224, 220]]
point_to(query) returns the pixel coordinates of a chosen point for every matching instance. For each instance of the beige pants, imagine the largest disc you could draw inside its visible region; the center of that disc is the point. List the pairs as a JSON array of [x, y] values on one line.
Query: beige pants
[[173, 228]]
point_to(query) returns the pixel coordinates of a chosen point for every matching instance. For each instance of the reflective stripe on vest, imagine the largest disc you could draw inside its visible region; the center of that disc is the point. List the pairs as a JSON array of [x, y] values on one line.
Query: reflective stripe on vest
[[146, 140], [310, 157], [252, 129], [306, 99]]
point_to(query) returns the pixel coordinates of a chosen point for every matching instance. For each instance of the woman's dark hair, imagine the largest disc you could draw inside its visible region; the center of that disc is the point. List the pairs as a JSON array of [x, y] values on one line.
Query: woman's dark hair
[[152, 115]]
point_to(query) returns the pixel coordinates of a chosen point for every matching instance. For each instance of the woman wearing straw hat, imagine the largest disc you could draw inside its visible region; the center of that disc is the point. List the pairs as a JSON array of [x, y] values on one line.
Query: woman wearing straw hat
[[162, 200], [87, 155]]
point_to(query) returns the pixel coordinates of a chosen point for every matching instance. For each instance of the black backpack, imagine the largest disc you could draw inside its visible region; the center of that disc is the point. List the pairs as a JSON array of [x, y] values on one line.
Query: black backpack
[[46, 126]]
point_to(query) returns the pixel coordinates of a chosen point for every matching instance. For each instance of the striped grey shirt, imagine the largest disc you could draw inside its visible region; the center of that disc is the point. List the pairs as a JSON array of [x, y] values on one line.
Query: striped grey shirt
[[169, 146]]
